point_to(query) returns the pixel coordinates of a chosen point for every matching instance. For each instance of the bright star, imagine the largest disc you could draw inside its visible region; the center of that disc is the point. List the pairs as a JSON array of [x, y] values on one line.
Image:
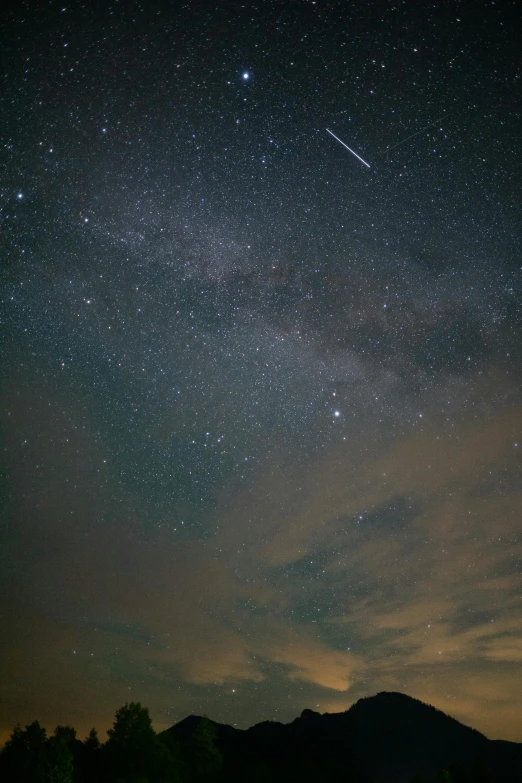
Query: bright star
[[337, 414], [246, 75]]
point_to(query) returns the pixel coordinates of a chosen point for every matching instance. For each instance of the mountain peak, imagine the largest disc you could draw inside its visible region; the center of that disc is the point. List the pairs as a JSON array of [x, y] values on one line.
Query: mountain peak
[[389, 736], [310, 714]]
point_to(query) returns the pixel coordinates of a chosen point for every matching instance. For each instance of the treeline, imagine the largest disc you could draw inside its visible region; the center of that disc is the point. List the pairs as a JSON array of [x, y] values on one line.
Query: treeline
[[133, 753]]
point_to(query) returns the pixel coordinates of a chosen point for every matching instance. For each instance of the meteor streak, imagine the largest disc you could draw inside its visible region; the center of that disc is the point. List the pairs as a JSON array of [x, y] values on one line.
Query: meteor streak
[[348, 148]]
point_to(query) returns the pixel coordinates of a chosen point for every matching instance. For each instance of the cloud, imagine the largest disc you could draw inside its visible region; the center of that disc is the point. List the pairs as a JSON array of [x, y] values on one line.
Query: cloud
[[316, 663], [431, 589], [422, 586]]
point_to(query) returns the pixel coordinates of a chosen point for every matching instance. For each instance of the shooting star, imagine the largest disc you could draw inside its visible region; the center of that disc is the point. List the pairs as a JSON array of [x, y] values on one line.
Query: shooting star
[[348, 148], [414, 134]]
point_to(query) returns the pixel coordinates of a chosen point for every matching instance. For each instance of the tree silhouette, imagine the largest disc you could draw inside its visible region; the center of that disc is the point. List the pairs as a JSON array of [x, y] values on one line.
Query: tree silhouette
[[92, 741], [134, 752], [132, 725], [131, 742], [24, 757], [60, 755], [87, 762], [177, 768], [65, 734], [205, 758]]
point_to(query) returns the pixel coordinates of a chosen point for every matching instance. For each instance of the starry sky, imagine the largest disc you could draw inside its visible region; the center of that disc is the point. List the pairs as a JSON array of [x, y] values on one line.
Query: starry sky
[[261, 403]]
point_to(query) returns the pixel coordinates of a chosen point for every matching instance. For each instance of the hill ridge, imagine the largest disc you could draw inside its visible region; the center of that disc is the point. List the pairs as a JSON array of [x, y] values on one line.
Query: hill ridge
[[388, 736]]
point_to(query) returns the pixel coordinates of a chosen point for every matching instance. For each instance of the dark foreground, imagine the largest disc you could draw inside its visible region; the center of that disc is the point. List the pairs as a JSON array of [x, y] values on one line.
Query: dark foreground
[[388, 738]]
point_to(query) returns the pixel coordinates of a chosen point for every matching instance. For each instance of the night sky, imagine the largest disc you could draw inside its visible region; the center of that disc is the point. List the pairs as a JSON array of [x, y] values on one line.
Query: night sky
[[261, 403]]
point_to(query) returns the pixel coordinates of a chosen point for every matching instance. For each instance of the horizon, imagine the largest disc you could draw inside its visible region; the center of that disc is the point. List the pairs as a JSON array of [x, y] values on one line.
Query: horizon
[[163, 727], [261, 399]]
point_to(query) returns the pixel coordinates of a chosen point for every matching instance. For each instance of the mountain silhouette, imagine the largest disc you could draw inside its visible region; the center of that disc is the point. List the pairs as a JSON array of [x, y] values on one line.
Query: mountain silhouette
[[387, 738]]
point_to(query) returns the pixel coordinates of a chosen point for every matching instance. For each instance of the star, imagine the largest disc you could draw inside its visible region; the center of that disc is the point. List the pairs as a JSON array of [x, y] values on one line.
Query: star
[[239, 288]]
